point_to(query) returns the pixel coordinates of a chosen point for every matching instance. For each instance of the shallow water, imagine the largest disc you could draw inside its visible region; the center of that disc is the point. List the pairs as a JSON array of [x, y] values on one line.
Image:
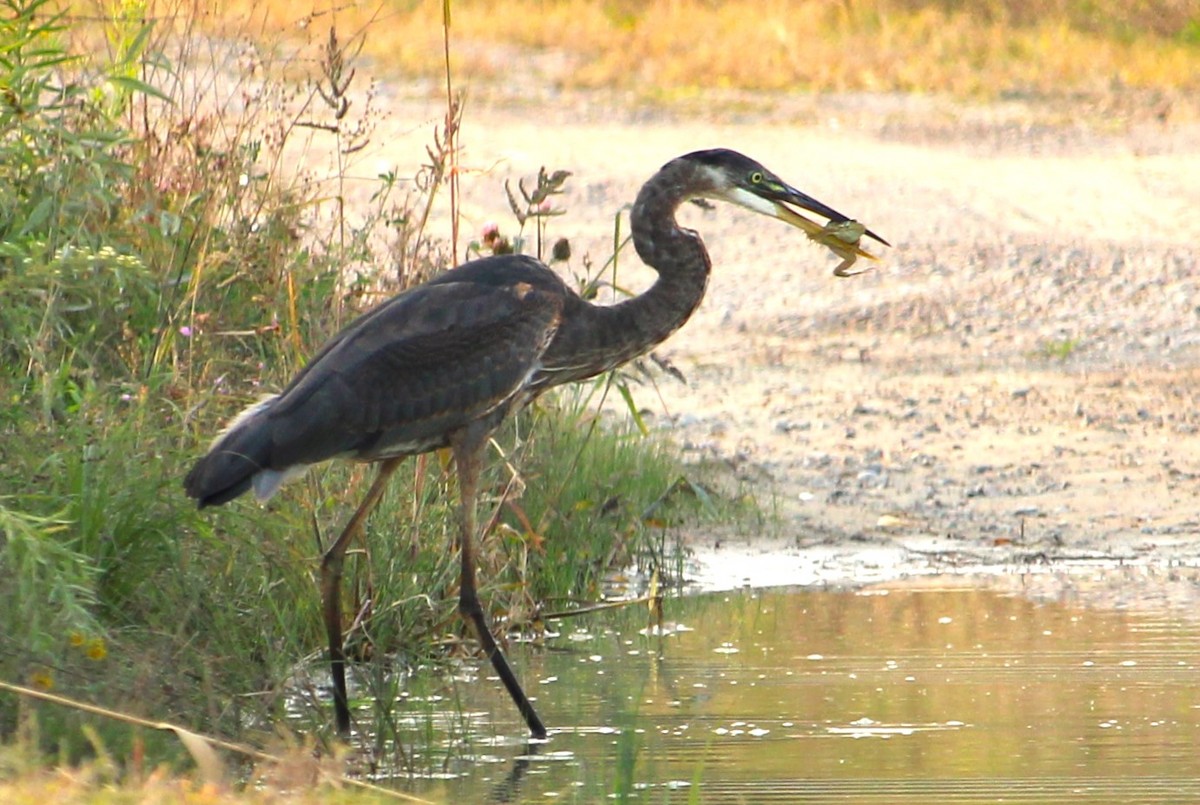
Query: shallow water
[[951, 695]]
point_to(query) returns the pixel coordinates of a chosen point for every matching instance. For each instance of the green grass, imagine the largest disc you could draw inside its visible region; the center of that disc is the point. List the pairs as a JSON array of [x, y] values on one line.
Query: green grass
[[1059, 348], [162, 265]]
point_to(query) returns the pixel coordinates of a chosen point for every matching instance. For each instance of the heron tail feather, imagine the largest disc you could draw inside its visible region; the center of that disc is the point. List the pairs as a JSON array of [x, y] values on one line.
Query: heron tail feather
[[238, 460]]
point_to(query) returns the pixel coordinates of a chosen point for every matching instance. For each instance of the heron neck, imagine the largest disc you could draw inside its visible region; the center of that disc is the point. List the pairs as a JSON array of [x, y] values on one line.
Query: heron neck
[[677, 254], [598, 338]]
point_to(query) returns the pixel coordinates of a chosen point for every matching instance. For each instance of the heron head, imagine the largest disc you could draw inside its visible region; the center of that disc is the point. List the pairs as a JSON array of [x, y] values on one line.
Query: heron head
[[738, 179]]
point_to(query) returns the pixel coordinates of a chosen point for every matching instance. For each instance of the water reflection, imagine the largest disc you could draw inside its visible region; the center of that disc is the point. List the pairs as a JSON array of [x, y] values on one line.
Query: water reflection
[[783, 696]]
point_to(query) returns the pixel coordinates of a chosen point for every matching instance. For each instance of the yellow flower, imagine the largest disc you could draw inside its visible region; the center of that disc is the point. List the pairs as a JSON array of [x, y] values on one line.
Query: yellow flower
[[96, 650], [76, 639], [42, 679]]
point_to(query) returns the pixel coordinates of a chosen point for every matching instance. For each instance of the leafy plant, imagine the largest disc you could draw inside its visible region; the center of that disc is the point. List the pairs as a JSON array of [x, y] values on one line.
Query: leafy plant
[[50, 594], [1059, 348]]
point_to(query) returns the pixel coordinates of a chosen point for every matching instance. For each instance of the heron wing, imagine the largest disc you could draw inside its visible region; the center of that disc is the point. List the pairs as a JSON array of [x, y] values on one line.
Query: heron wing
[[504, 270], [401, 378]]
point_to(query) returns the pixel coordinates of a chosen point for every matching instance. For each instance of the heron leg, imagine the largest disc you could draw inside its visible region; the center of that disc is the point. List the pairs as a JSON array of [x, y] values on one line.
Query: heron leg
[[468, 455], [331, 581]]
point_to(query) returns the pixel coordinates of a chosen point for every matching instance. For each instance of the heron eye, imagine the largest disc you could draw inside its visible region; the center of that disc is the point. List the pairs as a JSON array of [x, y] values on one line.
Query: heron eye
[[756, 177]]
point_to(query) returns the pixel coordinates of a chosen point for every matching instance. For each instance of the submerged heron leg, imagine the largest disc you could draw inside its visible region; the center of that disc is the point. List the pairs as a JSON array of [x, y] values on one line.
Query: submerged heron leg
[[331, 582], [468, 447]]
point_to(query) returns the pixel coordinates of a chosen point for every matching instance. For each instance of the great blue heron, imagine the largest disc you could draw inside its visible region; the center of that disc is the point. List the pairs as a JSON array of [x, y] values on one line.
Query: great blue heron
[[442, 364]]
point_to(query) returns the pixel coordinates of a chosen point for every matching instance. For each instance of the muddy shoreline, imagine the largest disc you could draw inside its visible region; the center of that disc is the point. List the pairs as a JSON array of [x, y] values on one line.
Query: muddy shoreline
[[1015, 387]]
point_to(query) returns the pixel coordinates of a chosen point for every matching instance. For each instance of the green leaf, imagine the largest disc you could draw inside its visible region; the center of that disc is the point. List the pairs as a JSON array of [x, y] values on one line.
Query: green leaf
[[38, 215], [633, 409], [136, 85]]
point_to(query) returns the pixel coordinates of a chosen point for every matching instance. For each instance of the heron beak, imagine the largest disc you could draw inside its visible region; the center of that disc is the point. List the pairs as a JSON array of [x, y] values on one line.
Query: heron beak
[[789, 195], [841, 235]]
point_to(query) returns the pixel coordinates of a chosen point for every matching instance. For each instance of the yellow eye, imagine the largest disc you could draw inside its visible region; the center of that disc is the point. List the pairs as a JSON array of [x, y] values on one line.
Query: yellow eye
[[756, 177]]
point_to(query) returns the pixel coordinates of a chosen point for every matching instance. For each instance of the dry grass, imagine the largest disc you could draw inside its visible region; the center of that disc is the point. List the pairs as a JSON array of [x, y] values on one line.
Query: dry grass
[[1024, 46]]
